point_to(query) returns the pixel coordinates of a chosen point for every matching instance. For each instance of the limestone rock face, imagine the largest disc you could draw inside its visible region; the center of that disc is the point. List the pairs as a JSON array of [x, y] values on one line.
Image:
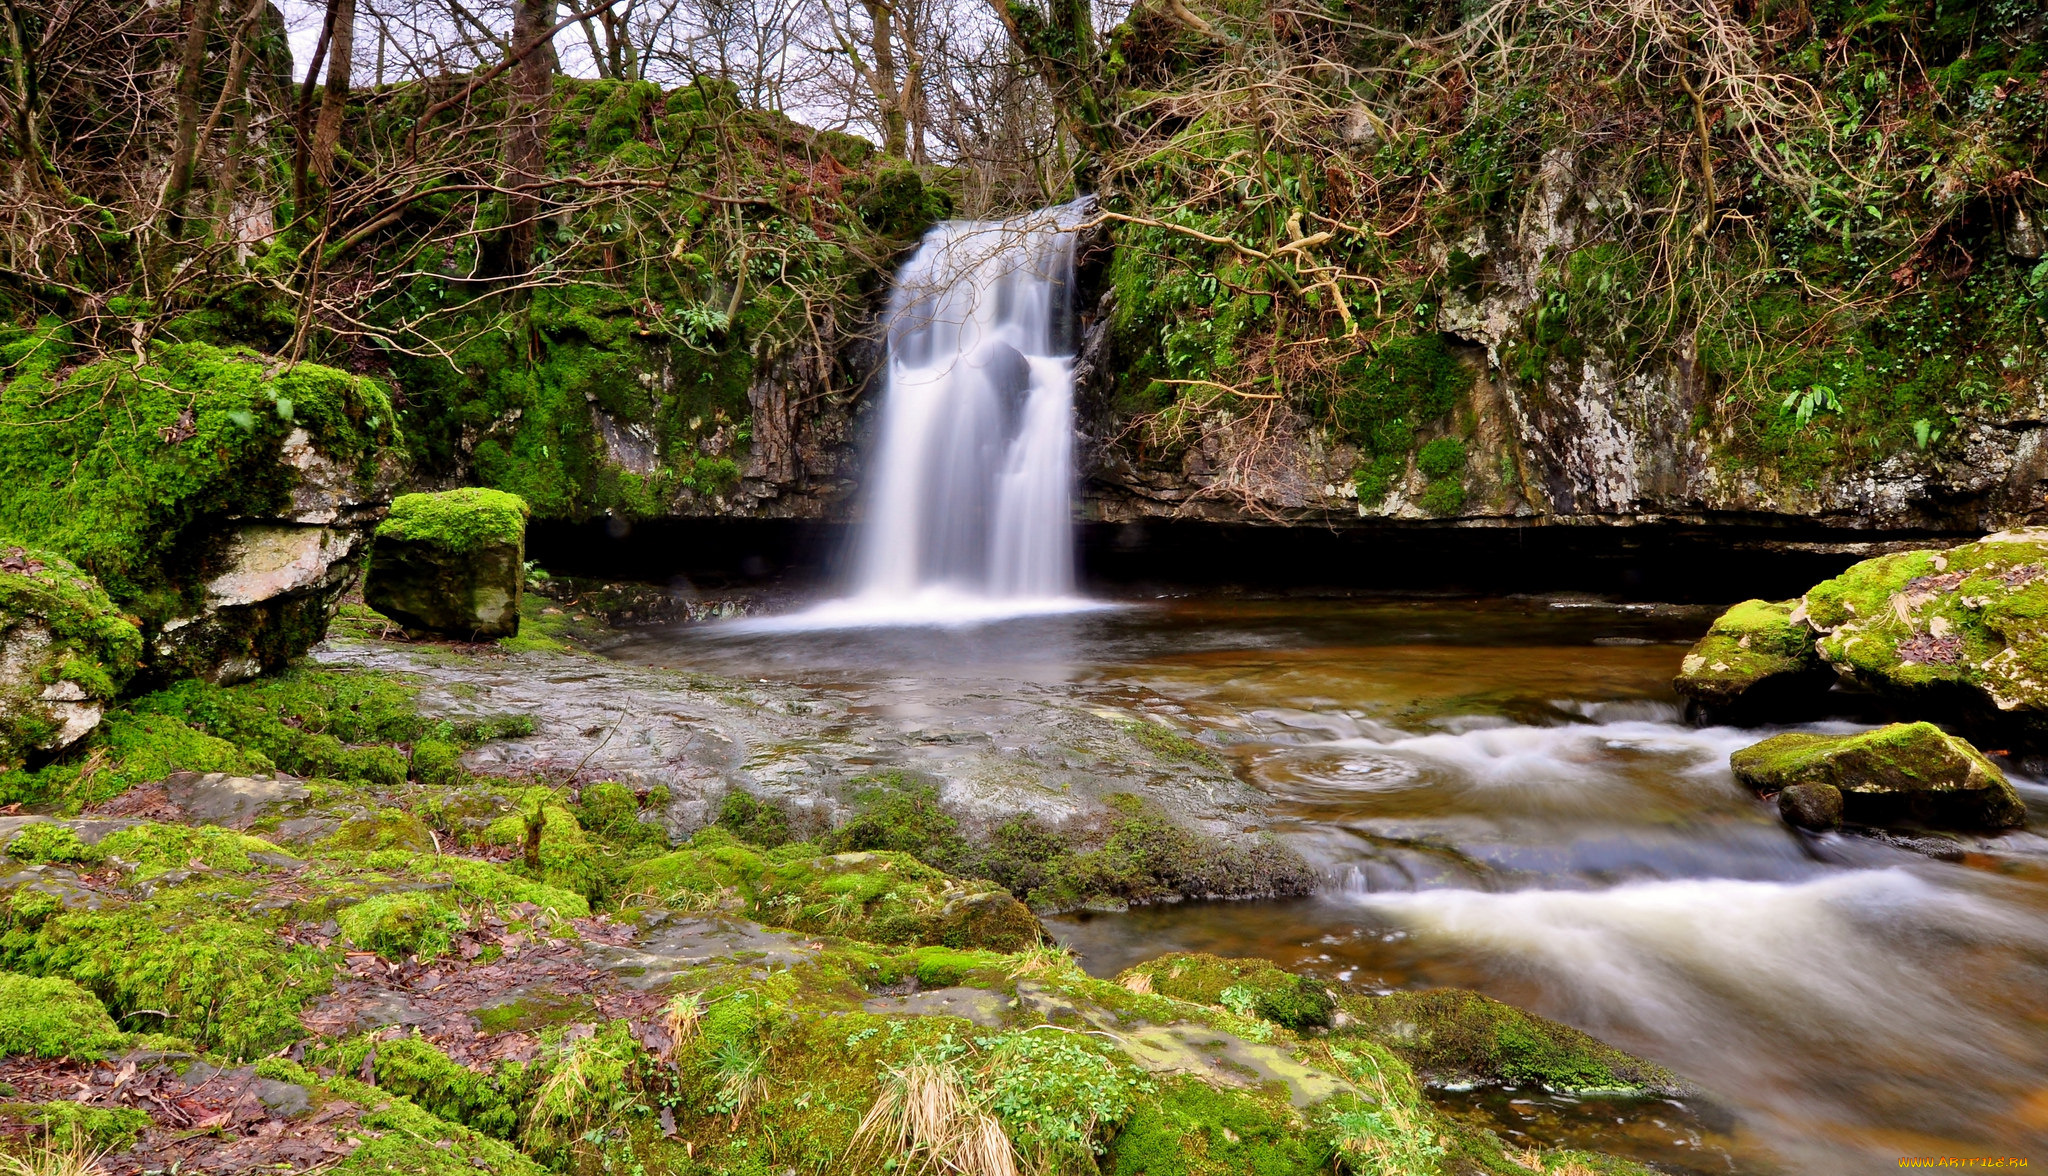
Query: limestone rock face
[[1755, 663], [1958, 635], [65, 653], [451, 563], [1906, 773], [277, 588]]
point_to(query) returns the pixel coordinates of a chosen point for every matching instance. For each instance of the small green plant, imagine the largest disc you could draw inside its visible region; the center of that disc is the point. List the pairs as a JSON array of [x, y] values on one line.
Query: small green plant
[[1804, 406]]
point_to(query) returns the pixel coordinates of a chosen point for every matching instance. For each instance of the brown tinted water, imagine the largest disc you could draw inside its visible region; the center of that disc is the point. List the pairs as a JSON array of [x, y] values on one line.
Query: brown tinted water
[[1503, 798]]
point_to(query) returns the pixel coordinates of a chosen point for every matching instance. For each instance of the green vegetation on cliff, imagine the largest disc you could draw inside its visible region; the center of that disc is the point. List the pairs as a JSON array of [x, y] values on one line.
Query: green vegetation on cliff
[[1814, 224]]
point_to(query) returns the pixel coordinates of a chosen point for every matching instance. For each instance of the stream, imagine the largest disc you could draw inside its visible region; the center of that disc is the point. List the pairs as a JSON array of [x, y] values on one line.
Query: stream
[[1503, 797]]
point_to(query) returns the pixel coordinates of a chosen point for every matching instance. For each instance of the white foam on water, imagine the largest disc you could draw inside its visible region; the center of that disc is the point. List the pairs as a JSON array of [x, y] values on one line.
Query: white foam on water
[[1763, 991], [934, 608]]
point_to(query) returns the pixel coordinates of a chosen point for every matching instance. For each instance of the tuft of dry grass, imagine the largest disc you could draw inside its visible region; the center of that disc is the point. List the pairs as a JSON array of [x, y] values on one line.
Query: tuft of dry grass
[[681, 1019], [1138, 982], [925, 1114], [51, 1160]]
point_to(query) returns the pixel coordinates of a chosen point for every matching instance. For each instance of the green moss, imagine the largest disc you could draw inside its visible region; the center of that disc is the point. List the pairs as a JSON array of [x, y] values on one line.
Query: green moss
[[894, 813], [610, 810], [753, 820], [386, 828], [1167, 743], [50, 842], [1195, 1129], [70, 1125], [413, 1068], [1248, 987], [50, 1017], [402, 923], [403, 1139], [486, 882], [68, 636], [463, 520], [223, 983], [153, 848], [91, 476], [1451, 1036]]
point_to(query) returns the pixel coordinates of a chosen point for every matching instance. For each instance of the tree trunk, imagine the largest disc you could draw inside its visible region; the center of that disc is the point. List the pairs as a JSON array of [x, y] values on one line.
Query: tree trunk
[[882, 79], [185, 142], [1061, 43], [340, 57], [533, 82], [302, 152]]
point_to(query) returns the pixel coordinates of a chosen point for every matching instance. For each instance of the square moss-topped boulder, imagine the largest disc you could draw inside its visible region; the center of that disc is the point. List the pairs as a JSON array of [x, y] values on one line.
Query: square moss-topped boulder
[[451, 563]]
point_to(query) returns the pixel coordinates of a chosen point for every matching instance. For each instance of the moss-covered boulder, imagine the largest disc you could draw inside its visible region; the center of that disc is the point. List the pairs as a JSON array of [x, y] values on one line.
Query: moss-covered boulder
[[1248, 987], [879, 896], [1757, 662], [1903, 774], [1959, 636], [65, 653], [451, 563], [219, 498], [1453, 1037], [49, 1017]]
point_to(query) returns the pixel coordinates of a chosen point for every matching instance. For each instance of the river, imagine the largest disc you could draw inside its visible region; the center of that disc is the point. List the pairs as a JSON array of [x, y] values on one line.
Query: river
[[1503, 797]]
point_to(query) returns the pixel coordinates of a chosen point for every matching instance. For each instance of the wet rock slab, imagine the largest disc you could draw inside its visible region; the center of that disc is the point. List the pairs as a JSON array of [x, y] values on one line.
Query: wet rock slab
[[1053, 749], [677, 944]]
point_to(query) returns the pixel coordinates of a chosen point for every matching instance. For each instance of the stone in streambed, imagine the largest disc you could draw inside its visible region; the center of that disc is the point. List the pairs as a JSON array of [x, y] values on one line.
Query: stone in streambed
[[1906, 773], [1756, 663], [1811, 806], [451, 563]]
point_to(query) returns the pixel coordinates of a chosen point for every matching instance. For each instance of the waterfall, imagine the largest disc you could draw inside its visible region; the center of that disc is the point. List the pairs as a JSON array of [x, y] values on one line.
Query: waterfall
[[967, 511]]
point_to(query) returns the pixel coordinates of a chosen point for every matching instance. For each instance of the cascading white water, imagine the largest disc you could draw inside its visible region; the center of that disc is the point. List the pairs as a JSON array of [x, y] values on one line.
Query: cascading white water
[[968, 508]]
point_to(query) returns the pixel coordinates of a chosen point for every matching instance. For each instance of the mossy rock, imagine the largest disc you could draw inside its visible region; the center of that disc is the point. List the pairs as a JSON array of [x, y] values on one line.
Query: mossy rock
[[157, 478], [1196, 1129], [1454, 1037], [1959, 636], [451, 563], [402, 923], [1755, 663], [66, 653], [50, 1017], [413, 1067], [1903, 774], [1248, 987], [889, 897], [877, 896]]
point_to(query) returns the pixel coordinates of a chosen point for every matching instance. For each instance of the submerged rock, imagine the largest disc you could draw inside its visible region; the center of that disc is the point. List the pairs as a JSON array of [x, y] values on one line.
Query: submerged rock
[[1756, 662], [65, 654], [1906, 773], [1958, 635], [451, 563]]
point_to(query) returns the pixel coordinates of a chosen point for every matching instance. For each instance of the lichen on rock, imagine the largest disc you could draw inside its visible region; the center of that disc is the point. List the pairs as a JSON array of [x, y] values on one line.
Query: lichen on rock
[[452, 563], [1906, 773]]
